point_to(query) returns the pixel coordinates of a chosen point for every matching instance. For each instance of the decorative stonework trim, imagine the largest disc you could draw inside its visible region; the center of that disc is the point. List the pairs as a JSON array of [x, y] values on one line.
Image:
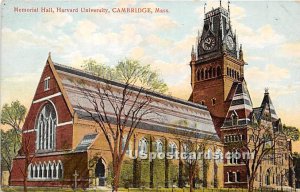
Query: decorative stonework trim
[[48, 97], [64, 123]]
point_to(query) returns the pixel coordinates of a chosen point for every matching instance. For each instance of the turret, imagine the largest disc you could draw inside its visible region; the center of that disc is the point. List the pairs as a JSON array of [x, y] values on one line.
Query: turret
[[241, 55]]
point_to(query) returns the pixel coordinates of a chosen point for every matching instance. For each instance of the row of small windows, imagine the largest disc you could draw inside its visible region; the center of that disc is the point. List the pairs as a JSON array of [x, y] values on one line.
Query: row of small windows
[[233, 177], [50, 170], [143, 147], [233, 138], [235, 157], [205, 73], [173, 149], [233, 73]]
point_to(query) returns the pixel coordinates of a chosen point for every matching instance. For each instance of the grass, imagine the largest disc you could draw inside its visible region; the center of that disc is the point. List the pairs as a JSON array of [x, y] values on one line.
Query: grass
[[45, 189]]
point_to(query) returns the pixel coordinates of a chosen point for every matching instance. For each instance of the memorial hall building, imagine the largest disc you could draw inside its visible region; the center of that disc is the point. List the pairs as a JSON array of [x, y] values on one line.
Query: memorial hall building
[[65, 145]]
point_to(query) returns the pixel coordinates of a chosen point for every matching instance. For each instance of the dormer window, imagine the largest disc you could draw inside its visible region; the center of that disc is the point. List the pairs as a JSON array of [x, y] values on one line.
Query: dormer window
[[234, 118], [46, 83], [202, 102]]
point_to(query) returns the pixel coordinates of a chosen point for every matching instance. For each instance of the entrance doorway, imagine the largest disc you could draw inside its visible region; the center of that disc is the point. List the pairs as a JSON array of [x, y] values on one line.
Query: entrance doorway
[[100, 172]]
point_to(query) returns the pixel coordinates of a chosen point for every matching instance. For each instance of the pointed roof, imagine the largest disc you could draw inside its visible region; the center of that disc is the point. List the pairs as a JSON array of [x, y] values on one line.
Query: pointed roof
[[240, 105], [267, 102]]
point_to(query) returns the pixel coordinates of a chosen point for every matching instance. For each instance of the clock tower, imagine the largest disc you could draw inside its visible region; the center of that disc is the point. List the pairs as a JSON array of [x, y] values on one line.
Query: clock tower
[[216, 64]]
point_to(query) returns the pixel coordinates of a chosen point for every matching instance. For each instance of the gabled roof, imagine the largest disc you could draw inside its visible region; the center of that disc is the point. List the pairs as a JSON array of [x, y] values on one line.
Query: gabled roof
[[196, 117], [240, 105], [268, 103]]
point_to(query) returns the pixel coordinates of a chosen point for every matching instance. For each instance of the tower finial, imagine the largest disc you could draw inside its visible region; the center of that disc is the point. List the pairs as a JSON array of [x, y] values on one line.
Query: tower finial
[[204, 7], [193, 54], [220, 3], [229, 10], [241, 55], [267, 90]]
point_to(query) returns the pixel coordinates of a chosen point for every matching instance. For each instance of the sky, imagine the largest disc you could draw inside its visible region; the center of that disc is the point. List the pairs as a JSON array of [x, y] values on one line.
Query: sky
[[268, 30]]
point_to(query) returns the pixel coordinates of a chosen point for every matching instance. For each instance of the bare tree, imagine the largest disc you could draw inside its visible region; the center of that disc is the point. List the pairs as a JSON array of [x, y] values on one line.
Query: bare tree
[[195, 152], [119, 109], [26, 152], [261, 143]]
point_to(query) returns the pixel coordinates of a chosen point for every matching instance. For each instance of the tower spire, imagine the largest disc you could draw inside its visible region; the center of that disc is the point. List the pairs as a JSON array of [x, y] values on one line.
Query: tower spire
[[241, 53], [229, 10], [193, 54], [220, 3], [204, 8]]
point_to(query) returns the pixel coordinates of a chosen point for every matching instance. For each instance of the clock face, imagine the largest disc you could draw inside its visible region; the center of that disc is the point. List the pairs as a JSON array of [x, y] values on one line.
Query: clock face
[[230, 43], [208, 43]]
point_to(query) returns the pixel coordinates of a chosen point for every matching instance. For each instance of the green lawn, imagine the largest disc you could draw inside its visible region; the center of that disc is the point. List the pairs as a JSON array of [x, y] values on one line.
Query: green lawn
[[44, 189]]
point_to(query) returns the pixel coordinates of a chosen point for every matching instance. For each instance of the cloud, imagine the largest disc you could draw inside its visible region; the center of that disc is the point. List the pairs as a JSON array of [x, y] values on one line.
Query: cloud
[[157, 23], [261, 38], [181, 89], [22, 37], [126, 3], [53, 21], [291, 49], [137, 53], [267, 73], [85, 28]]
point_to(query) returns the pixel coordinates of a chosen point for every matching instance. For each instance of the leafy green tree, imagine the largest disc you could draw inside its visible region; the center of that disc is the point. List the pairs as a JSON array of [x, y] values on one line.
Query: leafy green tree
[[13, 116], [128, 71], [119, 110], [291, 132]]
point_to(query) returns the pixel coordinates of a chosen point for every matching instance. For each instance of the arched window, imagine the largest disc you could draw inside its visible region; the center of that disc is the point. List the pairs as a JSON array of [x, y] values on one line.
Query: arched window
[[206, 74], [40, 171], [44, 171], [214, 72], [218, 71], [49, 170], [54, 170], [124, 143], [30, 171], [143, 146], [59, 170], [185, 148], [210, 72], [238, 75], [172, 148], [202, 74], [46, 125], [36, 171], [159, 146], [234, 118], [198, 75], [219, 156], [209, 154]]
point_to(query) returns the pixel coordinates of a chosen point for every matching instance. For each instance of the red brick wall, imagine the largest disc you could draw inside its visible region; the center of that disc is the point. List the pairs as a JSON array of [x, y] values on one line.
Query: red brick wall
[[71, 162], [64, 133]]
